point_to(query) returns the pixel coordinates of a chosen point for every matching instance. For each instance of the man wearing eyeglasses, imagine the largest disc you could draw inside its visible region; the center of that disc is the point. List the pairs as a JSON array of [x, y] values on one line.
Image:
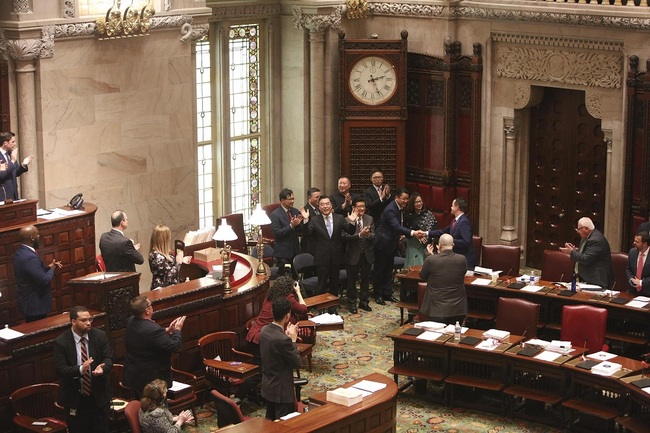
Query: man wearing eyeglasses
[[83, 360], [149, 346], [593, 260]]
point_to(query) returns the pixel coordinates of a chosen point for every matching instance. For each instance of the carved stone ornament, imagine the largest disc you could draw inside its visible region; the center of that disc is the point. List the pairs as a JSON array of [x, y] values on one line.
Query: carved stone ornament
[[560, 66], [193, 33], [72, 30], [593, 103], [170, 21], [316, 22], [407, 9], [22, 50], [21, 6], [247, 11], [69, 10], [527, 95]]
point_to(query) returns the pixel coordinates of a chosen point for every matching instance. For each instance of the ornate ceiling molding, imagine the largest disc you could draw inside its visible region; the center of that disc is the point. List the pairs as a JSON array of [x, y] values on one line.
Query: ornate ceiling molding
[[247, 11], [170, 21], [72, 30], [407, 9], [555, 41], [316, 22]]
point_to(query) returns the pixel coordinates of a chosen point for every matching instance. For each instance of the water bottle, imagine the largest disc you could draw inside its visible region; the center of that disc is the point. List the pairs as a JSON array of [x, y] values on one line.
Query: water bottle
[[531, 282], [457, 331], [573, 283]]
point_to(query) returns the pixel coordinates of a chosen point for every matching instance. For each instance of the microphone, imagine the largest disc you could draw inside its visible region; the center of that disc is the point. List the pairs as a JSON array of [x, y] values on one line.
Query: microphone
[[584, 348], [522, 344]]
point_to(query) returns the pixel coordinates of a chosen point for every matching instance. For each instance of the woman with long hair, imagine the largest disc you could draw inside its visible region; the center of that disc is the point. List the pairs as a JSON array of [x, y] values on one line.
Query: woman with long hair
[[417, 217], [154, 417], [164, 266]]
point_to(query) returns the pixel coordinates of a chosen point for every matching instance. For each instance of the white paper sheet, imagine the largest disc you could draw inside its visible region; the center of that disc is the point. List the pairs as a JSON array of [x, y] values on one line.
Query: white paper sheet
[[548, 356], [429, 336], [481, 281], [601, 356]]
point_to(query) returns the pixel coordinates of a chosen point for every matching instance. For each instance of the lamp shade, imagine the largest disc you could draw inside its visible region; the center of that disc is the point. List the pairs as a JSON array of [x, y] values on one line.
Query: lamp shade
[[224, 232], [259, 216]]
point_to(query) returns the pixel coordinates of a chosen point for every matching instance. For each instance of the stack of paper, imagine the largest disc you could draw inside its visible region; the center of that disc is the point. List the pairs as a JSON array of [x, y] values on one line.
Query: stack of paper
[[479, 270], [369, 386], [560, 346], [430, 326], [538, 342], [450, 329], [606, 368], [345, 396], [496, 334], [199, 236], [327, 319], [601, 356]]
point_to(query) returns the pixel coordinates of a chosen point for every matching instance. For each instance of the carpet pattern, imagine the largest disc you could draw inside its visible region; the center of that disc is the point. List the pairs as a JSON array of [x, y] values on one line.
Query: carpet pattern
[[362, 348]]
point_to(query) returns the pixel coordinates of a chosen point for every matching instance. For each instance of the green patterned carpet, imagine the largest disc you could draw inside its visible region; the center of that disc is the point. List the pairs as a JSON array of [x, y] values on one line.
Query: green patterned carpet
[[342, 356]]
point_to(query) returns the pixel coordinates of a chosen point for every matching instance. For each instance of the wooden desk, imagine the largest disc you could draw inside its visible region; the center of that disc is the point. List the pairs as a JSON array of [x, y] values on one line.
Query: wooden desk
[[321, 302], [239, 370], [637, 418], [322, 328]]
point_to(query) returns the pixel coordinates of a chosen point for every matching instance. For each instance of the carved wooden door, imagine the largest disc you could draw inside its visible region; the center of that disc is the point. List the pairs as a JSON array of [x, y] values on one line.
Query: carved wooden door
[[567, 169]]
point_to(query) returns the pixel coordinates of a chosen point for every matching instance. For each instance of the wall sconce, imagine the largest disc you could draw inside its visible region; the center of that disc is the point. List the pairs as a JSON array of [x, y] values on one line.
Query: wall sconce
[[225, 233], [125, 20], [259, 218]]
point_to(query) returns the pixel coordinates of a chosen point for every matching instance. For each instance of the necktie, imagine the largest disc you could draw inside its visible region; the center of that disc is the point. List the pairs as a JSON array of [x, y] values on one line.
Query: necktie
[[453, 224], [639, 269], [85, 378], [359, 228], [359, 224], [289, 215], [328, 223]]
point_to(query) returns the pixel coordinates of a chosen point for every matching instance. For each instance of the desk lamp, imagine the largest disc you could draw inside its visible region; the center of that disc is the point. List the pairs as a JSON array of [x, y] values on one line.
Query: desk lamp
[[259, 218], [225, 233]]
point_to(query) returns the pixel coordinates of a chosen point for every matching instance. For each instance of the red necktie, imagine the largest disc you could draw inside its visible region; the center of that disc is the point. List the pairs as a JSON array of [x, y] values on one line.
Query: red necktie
[[453, 223], [289, 215], [639, 270], [85, 378]]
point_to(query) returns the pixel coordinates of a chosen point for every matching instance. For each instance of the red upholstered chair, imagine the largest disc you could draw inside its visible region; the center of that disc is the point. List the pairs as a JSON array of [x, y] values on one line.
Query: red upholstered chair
[[477, 243], [227, 410], [556, 266], [236, 221], [99, 263], [582, 323], [38, 403], [504, 258], [518, 316], [131, 413], [422, 288], [619, 263]]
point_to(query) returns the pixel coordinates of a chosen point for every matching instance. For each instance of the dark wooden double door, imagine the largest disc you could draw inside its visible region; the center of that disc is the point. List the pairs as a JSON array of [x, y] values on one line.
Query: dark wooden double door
[[567, 170]]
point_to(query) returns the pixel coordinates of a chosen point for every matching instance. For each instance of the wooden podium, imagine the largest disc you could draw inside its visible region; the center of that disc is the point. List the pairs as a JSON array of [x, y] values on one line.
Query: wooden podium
[[15, 214]]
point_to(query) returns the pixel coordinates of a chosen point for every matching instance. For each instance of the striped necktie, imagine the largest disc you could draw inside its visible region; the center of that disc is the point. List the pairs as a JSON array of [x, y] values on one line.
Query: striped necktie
[[85, 378]]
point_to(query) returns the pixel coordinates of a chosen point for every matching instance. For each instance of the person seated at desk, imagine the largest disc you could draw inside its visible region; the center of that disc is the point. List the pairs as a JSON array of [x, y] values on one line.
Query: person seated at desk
[[154, 417], [164, 266]]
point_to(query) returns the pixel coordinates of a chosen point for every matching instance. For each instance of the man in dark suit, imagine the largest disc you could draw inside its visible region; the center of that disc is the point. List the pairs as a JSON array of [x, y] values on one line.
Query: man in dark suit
[[639, 276], [377, 195], [149, 346], [445, 299], [118, 251], [325, 230], [359, 257], [280, 356], [593, 259], [83, 360], [343, 198], [33, 278], [10, 168], [286, 222], [461, 230], [386, 243], [311, 207]]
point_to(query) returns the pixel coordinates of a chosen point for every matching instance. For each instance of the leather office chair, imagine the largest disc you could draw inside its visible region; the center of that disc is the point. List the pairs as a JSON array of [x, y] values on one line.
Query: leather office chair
[[518, 316], [99, 263], [304, 266], [222, 344], [131, 413], [117, 384], [227, 410], [556, 266], [267, 230], [38, 403], [619, 263], [236, 221], [422, 288], [477, 243], [504, 258], [584, 325]]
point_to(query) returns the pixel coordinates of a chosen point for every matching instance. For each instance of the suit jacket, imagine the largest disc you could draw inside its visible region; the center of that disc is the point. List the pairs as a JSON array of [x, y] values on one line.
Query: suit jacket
[[118, 252], [9, 179], [630, 271], [353, 243], [328, 250], [286, 237], [338, 199], [148, 353], [67, 368], [280, 357], [462, 234], [34, 290], [595, 260], [305, 245], [390, 229], [375, 207], [445, 275]]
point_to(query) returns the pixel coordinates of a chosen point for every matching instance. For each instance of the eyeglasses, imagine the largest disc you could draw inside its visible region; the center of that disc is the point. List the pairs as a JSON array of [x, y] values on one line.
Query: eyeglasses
[[580, 228]]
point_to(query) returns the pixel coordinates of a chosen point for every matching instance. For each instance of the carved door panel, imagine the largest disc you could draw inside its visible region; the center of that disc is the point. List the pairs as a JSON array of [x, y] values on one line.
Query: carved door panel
[[567, 169]]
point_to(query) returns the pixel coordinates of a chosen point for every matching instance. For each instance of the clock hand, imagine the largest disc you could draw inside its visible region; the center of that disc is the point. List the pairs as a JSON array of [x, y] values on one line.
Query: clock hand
[[373, 80]]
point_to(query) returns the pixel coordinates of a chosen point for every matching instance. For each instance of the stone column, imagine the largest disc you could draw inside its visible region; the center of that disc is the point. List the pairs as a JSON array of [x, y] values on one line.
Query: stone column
[[508, 232]]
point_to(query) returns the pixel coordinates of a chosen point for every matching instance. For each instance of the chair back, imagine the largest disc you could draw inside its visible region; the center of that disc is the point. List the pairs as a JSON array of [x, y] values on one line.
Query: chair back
[[477, 243], [218, 344], [303, 262], [37, 401], [131, 413], [422, 288], [556, 266], [99, 263], [584, 325], [504, 258], [227, 410], [236, 221], [117, 383], [619, 264], [517, 316], [267, 230]]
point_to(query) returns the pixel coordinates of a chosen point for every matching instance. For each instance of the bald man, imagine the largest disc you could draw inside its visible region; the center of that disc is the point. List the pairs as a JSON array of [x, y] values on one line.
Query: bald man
[[118, 251], [33, 277]]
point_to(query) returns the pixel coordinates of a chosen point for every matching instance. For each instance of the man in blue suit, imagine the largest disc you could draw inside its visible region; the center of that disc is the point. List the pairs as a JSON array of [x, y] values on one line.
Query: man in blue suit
[[286, 222], [33, 277], [10, 168], [639, 281], [461, 230]]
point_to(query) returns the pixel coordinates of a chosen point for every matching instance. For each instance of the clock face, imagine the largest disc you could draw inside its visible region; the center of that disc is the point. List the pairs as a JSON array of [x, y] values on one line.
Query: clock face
[[373, 80]]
